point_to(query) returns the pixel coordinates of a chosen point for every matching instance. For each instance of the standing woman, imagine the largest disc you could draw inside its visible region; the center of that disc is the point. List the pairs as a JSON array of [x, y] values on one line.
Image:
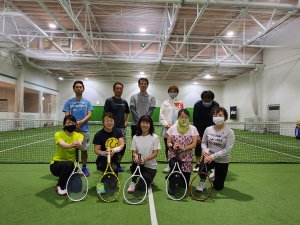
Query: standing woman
[[146, 143], [182, 137], [64, 158], [168, 115], [217, 142]]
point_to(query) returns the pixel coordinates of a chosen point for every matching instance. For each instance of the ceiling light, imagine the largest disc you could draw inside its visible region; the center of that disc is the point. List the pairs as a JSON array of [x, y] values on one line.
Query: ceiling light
[[143, 29], [86, 78], [229, 34], [195, 82], [207, 76], [52, 25], [142, 73], [61, 78]]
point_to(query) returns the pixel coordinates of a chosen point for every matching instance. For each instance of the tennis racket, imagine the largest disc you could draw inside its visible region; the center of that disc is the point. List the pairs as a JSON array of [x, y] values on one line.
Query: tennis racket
[[109, 185], [204, 189], [176, 185], [77, 184], [137, 185]]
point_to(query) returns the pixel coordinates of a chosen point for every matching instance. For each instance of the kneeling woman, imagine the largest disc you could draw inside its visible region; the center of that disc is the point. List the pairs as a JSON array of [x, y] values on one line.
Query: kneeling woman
[[146, 143], [182, 137], [63, 161], [107, 141]]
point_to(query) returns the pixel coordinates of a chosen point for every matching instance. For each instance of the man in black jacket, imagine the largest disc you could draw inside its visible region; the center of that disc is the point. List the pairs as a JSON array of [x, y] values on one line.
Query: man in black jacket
[[202, 119]]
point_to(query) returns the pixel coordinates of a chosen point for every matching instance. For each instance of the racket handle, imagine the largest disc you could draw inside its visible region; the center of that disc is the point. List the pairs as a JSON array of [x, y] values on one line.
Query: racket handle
[[108, 158]]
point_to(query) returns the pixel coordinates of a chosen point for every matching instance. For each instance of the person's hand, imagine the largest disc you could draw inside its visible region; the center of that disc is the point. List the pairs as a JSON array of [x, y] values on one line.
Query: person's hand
[[110, 152], [76, 144], [143, 160], [136, 158], [208, 159], [79, 124], [176, 146]]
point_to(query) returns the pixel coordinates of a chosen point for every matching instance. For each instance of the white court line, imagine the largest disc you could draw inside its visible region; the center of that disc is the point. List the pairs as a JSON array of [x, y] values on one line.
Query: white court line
[[26, 137], [259, 140], [20, 146], [271, 150], [152, 207]]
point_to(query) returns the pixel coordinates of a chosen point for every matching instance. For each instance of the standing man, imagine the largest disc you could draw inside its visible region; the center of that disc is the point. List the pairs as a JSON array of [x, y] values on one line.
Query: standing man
[[202, 118], [141, 104], [120, 109], [81, 109]]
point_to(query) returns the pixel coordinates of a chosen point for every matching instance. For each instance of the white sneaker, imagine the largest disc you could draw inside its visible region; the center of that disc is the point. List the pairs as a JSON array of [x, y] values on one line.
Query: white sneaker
[[167, 169], [196, 169], [200, 186], [60, 191], [212, 175], [131, 188]]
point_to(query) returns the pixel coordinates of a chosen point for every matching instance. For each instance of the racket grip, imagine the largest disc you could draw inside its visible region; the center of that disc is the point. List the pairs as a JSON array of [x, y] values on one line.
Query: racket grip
[[108, 158]]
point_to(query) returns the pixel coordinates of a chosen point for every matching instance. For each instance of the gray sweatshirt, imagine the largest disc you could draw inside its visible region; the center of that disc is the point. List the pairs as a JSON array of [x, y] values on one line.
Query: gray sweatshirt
[[141, 105], [219, 143]]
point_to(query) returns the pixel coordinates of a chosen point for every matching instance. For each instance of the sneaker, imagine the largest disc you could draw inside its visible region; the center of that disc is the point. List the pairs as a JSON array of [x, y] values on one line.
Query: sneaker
[[120, 169], [196, 169], [60, 191], [131, 188], [86, 171], [100, 188], [200, 186], [212, 175], [167, 169]]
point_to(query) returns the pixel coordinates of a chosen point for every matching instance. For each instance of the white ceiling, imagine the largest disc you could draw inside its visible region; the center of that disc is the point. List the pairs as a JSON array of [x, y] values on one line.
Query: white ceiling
[[184, 39]]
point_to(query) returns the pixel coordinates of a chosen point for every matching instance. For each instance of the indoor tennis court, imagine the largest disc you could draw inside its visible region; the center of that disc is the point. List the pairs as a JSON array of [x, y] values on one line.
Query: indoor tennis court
[[246, 52]]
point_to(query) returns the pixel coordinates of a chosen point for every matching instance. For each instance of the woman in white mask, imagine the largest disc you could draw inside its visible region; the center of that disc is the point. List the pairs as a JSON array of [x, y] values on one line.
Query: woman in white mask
[[217, 142], [168, 115], [182, 137]]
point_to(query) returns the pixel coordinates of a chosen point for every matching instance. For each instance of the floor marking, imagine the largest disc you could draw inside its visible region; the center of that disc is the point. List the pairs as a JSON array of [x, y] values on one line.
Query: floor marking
[[152, 207]]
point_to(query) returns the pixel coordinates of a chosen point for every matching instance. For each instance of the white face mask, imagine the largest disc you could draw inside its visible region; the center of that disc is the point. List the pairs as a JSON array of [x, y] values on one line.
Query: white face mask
[[173, 95], [218, 120]]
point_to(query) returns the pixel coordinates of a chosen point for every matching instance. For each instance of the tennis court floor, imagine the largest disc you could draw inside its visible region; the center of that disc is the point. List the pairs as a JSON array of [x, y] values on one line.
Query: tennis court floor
[[254, 194]]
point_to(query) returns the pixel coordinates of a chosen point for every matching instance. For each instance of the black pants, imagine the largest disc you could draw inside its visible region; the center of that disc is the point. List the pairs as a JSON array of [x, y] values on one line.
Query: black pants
[[221, 170], [146, 172], [101, 163], [186, 175], [166, 148], [62, 170]]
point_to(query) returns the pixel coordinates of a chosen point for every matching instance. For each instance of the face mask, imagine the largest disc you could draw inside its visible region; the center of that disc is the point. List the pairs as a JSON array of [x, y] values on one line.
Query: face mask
[[183, 122], [218, 120], [70, 128], [173, 95], [207, 104]]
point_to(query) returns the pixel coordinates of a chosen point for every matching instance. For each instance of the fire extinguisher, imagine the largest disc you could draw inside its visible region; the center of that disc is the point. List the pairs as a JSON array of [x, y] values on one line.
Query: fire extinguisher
[[297, 130]]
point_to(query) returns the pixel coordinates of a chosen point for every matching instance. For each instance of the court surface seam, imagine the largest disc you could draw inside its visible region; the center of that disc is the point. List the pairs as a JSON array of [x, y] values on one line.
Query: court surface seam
[[152, 207]]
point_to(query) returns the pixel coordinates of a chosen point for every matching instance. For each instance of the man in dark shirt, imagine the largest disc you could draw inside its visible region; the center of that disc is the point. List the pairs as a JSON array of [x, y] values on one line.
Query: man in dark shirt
[[120, 109], [202, 118]]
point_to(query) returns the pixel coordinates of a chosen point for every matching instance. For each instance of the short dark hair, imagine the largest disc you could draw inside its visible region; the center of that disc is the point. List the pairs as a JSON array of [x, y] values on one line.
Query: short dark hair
[[117, 83], [207, 94], [185, 111], [220, 109], [173, 87], [148, 119], [69, 117], [144, 79], [109, 115], [78, 82]]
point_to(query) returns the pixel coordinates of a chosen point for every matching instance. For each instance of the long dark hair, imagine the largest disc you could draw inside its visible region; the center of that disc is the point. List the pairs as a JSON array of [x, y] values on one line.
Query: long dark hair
[[145, 119]]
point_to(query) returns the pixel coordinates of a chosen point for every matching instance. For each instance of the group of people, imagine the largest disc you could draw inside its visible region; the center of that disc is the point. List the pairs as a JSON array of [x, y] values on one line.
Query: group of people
[[209, 135]]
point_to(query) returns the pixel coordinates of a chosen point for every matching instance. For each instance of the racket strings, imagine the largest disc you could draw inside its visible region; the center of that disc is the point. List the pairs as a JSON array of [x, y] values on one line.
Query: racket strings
[[135, 190], [109, 187], [77, 187]]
